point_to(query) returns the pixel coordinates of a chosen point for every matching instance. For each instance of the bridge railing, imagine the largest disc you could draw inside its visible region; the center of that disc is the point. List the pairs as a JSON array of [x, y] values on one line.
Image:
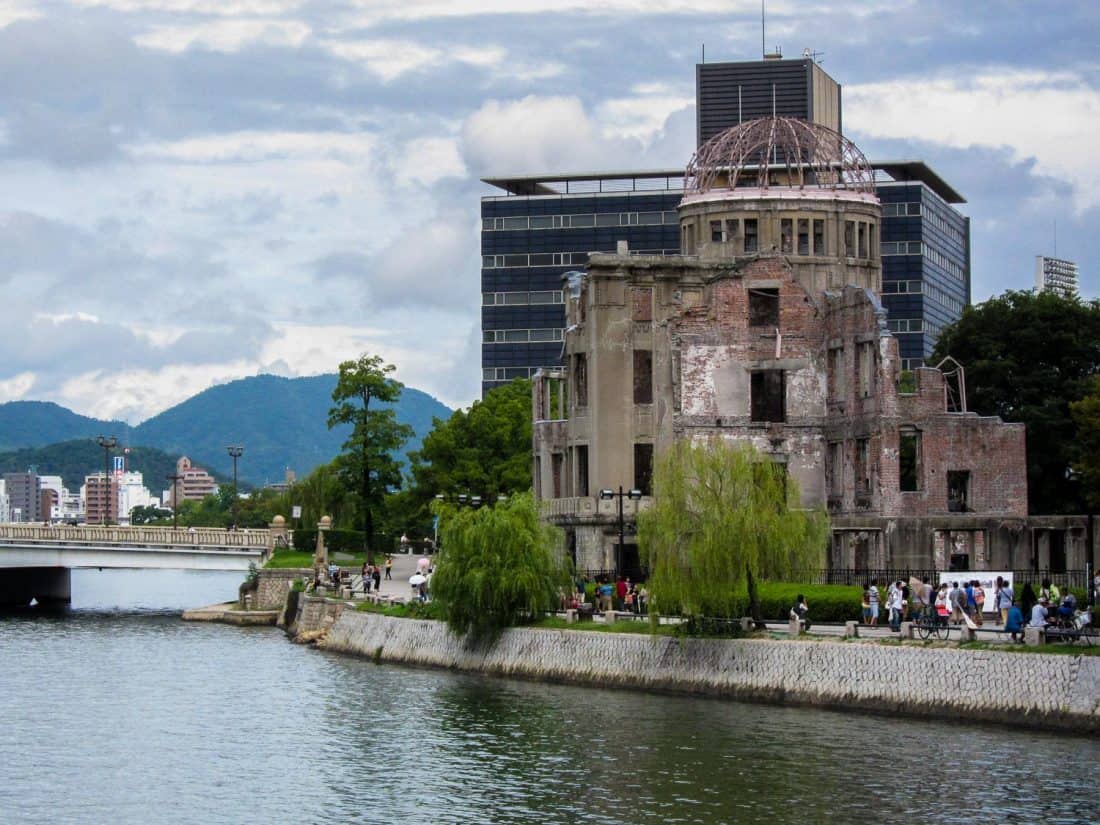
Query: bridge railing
[[141, 536]]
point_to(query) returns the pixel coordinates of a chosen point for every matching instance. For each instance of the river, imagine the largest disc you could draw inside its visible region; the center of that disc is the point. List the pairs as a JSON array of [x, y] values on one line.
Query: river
[[118, 712]]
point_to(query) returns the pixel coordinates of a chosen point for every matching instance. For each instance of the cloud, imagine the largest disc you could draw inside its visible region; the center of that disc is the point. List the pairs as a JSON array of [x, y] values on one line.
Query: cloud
[[1049, 116], [16, 387], [225, 35]]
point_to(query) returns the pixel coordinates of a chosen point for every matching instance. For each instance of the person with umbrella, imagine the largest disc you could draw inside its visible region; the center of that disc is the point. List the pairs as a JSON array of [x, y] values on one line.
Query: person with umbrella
[[418, 581]]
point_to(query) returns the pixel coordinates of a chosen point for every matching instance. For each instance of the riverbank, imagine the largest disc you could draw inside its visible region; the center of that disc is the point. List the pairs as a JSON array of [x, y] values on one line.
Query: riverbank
[[228, 613], [1037, 690]]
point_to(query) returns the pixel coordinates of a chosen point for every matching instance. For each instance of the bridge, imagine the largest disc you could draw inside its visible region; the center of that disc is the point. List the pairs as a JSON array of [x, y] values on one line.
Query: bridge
[[36, 560]]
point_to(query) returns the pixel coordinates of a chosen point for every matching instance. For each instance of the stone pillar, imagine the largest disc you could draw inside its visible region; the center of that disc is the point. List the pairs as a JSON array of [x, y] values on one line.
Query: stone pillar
[[906, 630], [609, 617], [851, 630], [571, 616], [794, 626], [320, 554], [1035, 636], [747, 624], [967, 634]]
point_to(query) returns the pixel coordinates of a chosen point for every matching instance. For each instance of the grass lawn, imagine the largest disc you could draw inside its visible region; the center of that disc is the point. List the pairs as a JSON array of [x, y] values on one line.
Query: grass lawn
[[301, 558]]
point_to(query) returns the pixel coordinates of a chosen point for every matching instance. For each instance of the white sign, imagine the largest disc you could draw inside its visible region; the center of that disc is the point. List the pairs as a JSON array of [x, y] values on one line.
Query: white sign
[[296, 511], [986, 578]]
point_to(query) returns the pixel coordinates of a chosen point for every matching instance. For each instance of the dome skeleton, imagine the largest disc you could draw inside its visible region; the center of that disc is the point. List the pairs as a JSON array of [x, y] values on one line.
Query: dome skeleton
[[753, 152]]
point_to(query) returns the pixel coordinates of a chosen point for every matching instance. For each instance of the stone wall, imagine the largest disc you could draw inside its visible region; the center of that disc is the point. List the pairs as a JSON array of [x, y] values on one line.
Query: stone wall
[[275, 584], [1045, 691]]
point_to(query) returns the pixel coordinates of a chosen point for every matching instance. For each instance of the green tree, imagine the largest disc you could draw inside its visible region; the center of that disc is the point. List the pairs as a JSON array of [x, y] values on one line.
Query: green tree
[[484, 450], [1028, 356], [722, 520], [498, 565], [150, 514], [367, 464], [1086, 415]]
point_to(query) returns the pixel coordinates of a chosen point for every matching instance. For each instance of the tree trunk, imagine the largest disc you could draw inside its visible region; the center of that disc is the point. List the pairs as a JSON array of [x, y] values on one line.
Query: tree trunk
[[754, 600]]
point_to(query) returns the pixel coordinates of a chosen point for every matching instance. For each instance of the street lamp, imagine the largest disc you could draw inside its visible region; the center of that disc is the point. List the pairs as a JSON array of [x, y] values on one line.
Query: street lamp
[[107, 443], [175, 479], [235, 452], [607, 495]]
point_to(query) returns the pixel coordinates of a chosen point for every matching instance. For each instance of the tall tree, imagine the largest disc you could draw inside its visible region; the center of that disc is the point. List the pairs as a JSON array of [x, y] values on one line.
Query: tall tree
[[724, 518], [1086, 415], [367, 463], [497, 565], [1028, 356]]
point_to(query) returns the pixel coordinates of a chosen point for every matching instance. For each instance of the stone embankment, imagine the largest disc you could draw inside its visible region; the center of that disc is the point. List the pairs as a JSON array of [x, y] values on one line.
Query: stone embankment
[[1036, 690]]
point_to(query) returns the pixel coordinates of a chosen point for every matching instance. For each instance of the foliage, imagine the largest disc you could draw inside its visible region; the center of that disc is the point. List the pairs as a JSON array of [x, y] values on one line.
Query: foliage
[[337, 541], [367, 464], [498, 565], [1086, 415], [485, 450], [150, 514], [290, 559], [1028, 356], [907, 382], [722, 520]]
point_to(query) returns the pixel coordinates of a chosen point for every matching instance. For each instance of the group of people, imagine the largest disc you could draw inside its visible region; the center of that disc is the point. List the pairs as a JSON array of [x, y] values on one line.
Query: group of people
[[372, 574], [957, 602], [620, 594]]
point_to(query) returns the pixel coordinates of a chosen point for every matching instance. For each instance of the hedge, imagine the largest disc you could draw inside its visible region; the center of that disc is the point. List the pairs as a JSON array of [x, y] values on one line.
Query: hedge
[[337, 541]]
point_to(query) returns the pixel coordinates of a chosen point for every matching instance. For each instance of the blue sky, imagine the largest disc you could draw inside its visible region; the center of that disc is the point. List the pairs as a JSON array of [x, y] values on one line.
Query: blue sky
[[200, 190]]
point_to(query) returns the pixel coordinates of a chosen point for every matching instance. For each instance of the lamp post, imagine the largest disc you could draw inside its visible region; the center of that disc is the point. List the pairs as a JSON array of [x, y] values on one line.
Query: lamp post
[[607, 495], [235, 452], [175, 479], [107, 442]]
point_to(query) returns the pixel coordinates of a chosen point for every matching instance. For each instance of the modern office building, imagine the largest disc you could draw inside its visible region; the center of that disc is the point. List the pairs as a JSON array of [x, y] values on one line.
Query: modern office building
[[100, 499], [24, 497], [537, 228], [1055, 275]]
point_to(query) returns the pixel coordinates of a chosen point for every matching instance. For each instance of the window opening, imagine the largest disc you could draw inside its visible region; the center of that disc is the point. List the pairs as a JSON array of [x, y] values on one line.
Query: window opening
[[768, 396], [958, 491], [786, 235], [752, 241], [763, 307], [580, 379], [643, 468], [909, 461], [803, 236], [849, 239], [643, 376], [582, 469], [716, 232], [819, 237]]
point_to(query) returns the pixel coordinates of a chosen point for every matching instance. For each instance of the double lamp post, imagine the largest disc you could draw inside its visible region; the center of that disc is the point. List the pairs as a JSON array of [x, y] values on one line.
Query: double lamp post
[[608, 494]]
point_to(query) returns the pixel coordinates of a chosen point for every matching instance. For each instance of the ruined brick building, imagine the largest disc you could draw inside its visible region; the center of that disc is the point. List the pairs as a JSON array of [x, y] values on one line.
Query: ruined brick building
[[768, 328]]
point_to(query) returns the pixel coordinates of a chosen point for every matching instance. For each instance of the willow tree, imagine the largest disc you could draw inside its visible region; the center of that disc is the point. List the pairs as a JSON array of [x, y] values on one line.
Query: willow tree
[[724, 518], [497, 566]]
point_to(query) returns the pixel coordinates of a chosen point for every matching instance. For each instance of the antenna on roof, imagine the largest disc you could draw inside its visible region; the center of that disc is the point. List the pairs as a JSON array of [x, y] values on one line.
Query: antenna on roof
[[763, 48], [704, 53], [813, 54]]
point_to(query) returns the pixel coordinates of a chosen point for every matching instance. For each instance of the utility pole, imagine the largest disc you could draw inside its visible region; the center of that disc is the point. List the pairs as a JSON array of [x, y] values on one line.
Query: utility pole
[[235, 452], [175, 479]]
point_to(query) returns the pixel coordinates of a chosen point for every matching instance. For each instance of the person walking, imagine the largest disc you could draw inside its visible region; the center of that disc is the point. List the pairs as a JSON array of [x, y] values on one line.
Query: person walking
[[896, 605], [366, 577], [376, 574], [978, 594], [872, 600], [389, 568]]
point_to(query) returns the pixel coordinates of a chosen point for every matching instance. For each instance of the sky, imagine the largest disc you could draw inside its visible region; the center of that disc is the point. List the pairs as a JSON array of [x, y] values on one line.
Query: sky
[[194, 191]]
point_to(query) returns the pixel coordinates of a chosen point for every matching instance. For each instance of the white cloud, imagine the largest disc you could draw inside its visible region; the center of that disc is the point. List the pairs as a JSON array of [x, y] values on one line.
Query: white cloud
[[224, 8], [389, 59], [252, 146], [642, 115], [16, 387], [428, 160], [1052, 117], [225, 35], [12, 10]]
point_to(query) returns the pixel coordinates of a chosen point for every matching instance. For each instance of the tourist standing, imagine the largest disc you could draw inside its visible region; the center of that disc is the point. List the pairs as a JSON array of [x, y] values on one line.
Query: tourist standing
[[979, 601], [376, 574], [1004, 598], [389, 568], [896, 605], [865, 605], [872, 599], [366, 577]]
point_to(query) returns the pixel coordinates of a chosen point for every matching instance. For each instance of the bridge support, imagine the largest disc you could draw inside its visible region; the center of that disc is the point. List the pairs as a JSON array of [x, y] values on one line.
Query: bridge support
[[50, 586]]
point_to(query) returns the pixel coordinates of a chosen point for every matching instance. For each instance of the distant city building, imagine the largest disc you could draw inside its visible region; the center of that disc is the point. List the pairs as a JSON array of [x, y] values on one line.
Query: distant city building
[[71, 507], [100, 491], [195, 483], [133, 493], [51, 490], [23, 496], [1055, 275], [5, 505]]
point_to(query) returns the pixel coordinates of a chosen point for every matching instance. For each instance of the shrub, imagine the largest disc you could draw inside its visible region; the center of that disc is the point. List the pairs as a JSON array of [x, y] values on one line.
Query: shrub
[[337, 541]]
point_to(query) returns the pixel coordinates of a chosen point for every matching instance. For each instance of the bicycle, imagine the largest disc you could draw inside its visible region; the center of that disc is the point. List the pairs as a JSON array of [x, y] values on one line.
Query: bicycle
[[929, 625]]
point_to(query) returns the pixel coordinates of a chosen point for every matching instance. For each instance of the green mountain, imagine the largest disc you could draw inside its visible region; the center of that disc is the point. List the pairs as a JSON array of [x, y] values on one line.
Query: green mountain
[[37, 423], [73, 460], [280, 422]]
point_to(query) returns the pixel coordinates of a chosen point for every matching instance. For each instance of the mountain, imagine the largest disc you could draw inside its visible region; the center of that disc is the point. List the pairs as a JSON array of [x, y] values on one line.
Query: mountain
[[37, 423], [73, 460], [280, 422]]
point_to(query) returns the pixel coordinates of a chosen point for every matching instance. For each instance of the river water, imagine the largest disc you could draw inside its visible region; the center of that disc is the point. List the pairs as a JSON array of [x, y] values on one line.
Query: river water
[[118, 712]]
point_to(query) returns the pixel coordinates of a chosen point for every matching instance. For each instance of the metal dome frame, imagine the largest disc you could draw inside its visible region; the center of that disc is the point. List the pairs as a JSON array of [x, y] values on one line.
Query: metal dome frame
[[752, 153]]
